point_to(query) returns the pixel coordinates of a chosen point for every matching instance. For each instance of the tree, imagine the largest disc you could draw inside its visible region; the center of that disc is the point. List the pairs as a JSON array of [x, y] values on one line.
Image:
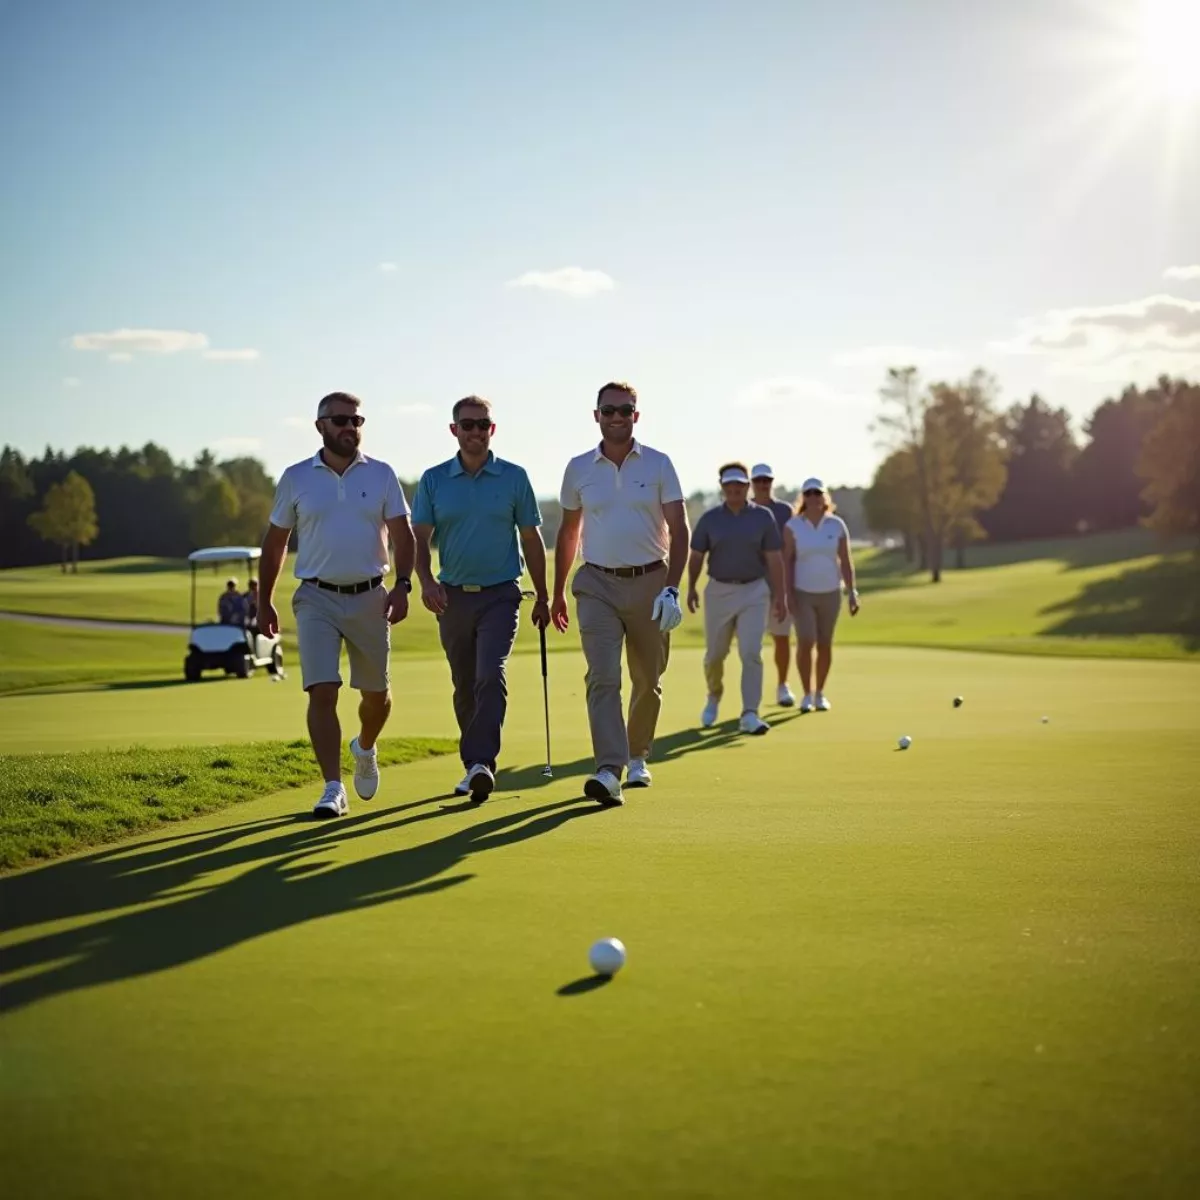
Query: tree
[[215, 508], [1038, 498], [891, 504], [68, 517], [1170, 461]]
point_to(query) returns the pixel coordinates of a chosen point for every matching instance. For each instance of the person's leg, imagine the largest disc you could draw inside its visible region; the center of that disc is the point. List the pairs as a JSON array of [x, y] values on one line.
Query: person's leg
[[368, 646], [720, 616], [457, 631], [751, 626], [374, 708], [320, 647], [806, 636], [495, 633], [325, 730], [647, 650], [602, 635], [828, 607], [783, 656]]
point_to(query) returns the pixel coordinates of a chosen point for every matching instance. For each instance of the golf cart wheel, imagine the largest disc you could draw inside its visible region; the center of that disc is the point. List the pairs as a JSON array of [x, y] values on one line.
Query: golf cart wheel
[[238, 664], [191, 669], [276, 667]]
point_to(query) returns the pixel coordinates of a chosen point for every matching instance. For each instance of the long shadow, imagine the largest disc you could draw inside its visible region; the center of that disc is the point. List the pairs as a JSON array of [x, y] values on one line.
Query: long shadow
[[279, 890]]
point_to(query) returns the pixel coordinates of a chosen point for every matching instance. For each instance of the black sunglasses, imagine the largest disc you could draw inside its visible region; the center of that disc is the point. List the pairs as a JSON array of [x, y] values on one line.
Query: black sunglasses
[[341, 420], [611, 410], [468, 424]]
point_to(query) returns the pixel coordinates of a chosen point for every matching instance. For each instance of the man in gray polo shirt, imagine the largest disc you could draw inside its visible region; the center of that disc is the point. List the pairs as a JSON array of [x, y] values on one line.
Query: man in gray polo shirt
[[745, 577], [343, 507], [762, 484]]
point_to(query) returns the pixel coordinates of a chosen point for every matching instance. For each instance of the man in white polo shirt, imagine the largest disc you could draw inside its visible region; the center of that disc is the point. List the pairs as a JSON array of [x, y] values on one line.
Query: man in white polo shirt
[[343, 506], [625, 500]]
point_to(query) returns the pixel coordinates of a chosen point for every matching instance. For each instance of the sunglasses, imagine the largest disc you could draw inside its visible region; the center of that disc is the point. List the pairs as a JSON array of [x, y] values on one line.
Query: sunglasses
[[611, 410], [469, 424], [341, 420], [814, 492]]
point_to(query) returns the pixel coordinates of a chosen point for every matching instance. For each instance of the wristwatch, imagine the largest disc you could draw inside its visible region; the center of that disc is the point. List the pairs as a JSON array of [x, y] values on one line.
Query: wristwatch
[[404, 582]]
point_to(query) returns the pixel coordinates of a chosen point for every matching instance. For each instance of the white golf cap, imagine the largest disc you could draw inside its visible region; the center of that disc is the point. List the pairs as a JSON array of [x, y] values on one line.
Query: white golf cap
[[734, 475], [813, 484], [762, 471]]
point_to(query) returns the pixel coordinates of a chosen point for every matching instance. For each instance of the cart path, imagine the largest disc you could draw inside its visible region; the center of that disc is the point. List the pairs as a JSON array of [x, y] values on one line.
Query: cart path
[[94, 623]]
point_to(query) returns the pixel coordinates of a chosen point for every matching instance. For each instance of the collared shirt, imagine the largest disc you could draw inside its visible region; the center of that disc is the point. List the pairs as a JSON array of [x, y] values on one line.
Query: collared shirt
[[737, 543], [817, 567], [475, 519], [623, 521], [782, 511], [231, 608], [339, 519]]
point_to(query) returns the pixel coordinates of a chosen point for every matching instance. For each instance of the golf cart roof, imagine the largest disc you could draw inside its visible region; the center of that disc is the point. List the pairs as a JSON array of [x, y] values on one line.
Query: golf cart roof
[[225, 554]]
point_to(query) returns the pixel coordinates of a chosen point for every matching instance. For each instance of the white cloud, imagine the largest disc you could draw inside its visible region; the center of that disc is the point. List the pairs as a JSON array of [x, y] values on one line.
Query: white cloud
[[1185, 273], [140, 341], [786, 392], [386, 268], [72, 381], [120, 356], [236, 445], [571, 281], [892, 355], [411, 410], [231, 355]]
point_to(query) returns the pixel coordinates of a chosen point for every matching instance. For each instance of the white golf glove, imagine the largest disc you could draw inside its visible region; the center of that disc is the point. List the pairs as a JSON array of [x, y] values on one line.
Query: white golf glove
[[666, 609]]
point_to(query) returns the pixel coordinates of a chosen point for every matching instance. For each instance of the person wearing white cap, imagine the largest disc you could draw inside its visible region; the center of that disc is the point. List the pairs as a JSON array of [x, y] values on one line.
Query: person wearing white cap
[[745, 576], [762, 483], [816, 556]]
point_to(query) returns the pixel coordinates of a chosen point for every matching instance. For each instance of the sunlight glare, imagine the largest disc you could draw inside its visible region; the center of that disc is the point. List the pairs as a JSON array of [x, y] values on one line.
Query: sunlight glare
[[1169, 31]]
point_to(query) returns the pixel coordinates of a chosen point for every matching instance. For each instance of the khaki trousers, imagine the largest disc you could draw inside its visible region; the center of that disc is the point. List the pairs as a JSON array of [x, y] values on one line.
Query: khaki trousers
[[739, 608], [613, 612]]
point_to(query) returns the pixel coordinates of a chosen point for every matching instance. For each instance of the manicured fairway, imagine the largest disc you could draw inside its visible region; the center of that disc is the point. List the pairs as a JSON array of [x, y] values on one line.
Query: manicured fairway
[[970, 969]]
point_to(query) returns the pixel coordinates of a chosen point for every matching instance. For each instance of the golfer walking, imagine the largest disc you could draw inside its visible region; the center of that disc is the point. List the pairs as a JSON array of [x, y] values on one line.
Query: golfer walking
[[745, 578], [816, 558], [476, 505], [625, 500], [762, 482], [343, 506]]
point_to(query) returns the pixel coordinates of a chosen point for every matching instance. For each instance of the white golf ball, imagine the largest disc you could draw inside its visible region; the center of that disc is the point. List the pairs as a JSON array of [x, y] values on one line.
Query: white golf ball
[[1045, 720], [607, 956], [905, 742]]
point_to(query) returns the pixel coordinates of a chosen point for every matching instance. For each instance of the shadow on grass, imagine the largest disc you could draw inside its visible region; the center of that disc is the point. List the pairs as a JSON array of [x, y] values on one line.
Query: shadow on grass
[[152, 566], [580, 987], [168, 912], [1162, 598]]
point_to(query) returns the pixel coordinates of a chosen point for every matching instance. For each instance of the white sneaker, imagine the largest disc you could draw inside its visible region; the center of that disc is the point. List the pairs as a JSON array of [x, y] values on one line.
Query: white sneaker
[[605, 787], [708, 718], [752, 723], [638, 774], [823, 705], [463, 786], [784, 697], [366, 770], [480, 782], [333, 802], [806, 705]]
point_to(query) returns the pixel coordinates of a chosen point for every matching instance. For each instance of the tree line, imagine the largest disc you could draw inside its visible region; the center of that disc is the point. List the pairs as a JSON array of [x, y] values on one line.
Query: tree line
[[960, 469]]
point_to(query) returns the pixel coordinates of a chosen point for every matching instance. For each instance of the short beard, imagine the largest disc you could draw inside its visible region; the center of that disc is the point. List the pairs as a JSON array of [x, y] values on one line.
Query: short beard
[[334, 447]]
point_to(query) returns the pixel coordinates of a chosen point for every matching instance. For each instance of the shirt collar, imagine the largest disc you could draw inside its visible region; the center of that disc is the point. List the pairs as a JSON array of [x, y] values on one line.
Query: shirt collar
[[490, 467], [634, 448], [318, 461]]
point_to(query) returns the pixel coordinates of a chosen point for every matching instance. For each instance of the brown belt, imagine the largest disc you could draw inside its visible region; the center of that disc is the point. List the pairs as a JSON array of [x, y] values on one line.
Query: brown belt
[[629, 572]]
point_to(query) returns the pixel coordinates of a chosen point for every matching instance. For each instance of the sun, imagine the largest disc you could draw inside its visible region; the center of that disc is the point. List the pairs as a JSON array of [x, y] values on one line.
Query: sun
[[1168, 36]]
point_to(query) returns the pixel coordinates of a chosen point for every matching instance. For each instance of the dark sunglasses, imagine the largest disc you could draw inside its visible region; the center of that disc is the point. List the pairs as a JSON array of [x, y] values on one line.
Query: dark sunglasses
[[341, 420], [611, 410], [468, 424]]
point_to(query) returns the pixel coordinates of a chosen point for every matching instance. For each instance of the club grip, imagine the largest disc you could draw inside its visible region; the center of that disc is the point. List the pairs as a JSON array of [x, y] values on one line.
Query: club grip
[[542, 632]]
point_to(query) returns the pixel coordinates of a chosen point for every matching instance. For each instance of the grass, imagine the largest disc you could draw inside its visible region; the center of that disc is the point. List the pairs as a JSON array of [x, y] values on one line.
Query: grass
[[968, 969], [54, 803]]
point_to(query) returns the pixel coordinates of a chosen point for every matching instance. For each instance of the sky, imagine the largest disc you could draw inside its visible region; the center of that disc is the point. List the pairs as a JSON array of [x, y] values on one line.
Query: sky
[[211, 215]]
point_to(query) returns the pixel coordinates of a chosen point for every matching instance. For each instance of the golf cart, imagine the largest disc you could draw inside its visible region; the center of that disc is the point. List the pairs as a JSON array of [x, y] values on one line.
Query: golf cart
[[234, 649]]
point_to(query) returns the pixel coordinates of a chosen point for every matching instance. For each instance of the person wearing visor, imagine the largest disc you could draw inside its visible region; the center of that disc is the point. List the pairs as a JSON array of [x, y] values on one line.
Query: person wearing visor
[[745, 578], [816, 560], [762, 491]]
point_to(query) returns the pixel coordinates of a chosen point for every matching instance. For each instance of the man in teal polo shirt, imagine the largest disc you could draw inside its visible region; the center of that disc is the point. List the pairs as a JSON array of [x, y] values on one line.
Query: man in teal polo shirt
[[477, 505]]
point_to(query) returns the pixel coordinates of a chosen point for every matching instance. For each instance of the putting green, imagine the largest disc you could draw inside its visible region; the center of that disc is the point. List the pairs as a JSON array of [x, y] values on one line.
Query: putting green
[[967, 969]]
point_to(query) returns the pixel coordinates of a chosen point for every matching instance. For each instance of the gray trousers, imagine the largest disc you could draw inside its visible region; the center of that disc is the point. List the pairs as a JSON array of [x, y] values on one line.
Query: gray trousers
[[739, 608], [477, 631], [615, 612]]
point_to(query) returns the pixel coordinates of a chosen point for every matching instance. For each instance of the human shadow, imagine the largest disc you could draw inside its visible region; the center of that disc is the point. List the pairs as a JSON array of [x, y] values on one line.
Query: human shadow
[[279, 889]]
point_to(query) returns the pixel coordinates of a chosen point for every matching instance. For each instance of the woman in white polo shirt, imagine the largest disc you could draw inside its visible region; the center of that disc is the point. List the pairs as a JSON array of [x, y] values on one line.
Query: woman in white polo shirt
[[816, 560]]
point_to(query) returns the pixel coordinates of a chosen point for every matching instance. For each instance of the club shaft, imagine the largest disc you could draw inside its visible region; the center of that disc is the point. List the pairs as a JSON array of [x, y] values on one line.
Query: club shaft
[[545, 695]]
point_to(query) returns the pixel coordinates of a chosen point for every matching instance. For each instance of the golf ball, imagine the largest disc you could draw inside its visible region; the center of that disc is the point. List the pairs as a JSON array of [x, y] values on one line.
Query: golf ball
[[1045, 720], [958, 700], [904, 742], [607, 956]]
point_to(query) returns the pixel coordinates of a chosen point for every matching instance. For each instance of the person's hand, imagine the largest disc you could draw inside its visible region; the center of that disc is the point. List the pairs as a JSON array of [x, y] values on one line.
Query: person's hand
[[854, 604], [693, 600], [541, 613], [558, 614], [779, 607], [397, 605], [268, 619], [666, 610], [433, 596]]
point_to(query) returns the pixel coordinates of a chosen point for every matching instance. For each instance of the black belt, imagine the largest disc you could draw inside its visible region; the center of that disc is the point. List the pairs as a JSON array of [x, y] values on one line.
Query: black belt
[[629, 572], [348, 589], [737, 581]]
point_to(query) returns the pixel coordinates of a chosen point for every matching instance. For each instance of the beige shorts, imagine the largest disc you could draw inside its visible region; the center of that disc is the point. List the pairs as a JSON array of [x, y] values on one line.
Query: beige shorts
[[779, 628], [816, 615], [325, 619]]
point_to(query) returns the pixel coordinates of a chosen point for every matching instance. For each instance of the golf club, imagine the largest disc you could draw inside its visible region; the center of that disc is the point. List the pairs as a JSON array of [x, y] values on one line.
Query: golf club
[[548, 770]]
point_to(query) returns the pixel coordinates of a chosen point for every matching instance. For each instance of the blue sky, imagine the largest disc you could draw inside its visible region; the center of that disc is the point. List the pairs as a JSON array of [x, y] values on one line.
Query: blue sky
[[765, 203]]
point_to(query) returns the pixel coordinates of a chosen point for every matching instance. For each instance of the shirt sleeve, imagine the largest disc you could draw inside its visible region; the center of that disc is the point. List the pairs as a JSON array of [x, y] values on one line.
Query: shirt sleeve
[[569, 496], [668, 484], [700, 539], [422, 513], [845, 533], [283, 511], [394, 503], [529, 515]]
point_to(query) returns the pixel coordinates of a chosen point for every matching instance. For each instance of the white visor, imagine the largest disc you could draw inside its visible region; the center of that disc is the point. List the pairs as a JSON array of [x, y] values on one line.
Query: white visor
[[734, 475], [812, 485], [761, 471]]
